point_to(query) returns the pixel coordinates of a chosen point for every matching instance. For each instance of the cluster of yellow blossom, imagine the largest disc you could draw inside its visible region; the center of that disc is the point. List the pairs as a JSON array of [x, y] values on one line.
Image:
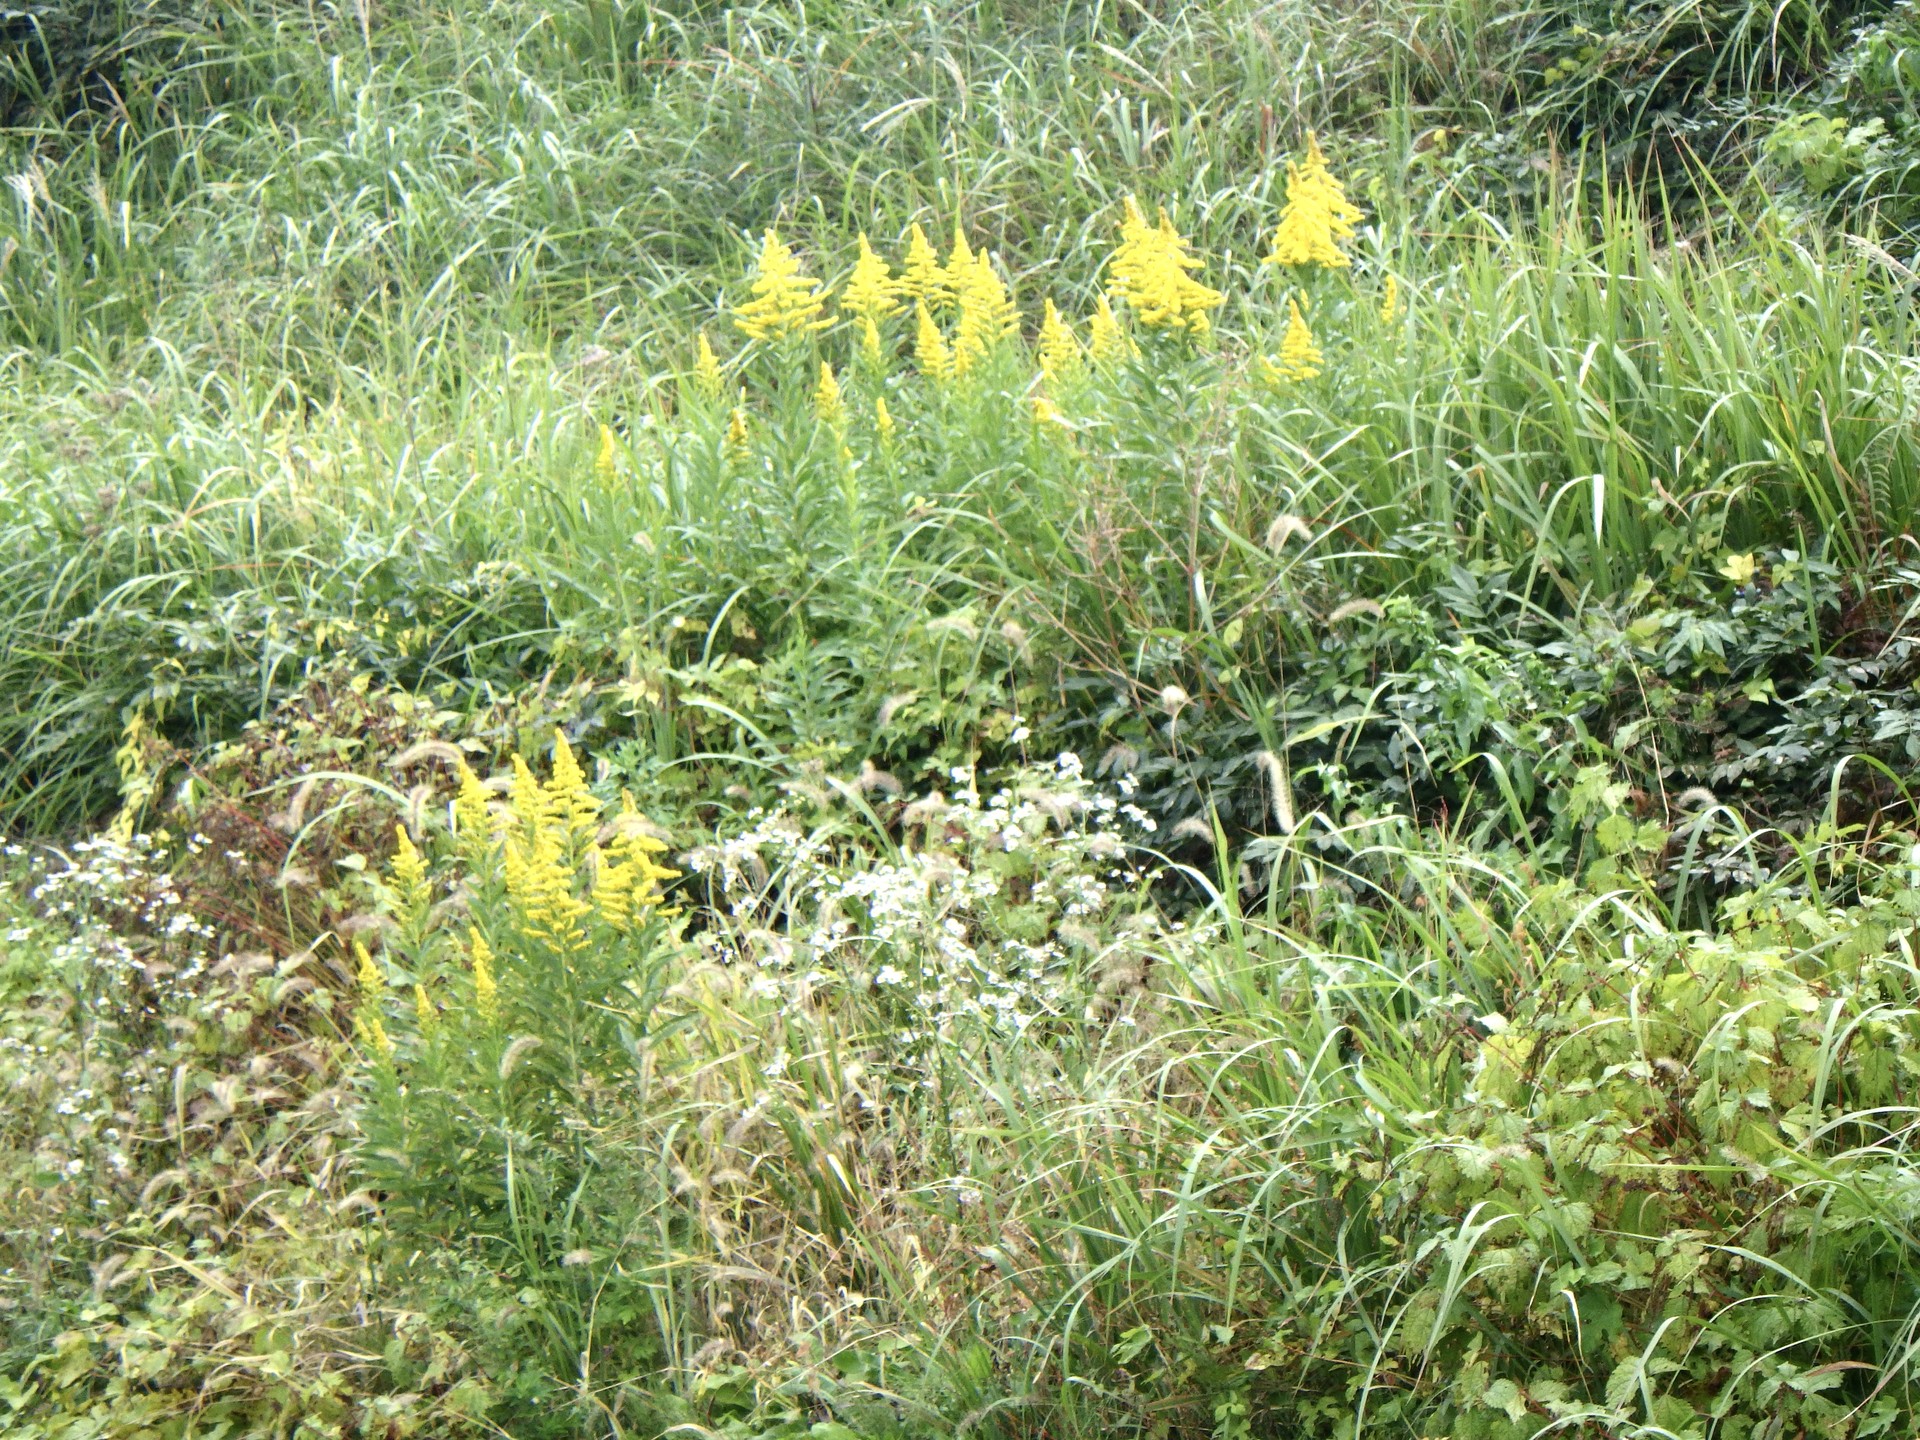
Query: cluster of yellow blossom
[[1151, 272], [372, 988], [827, 401], [1299, 357], [558, 877], [1317, 215], [553, 838], [960, 307], [784, 302]]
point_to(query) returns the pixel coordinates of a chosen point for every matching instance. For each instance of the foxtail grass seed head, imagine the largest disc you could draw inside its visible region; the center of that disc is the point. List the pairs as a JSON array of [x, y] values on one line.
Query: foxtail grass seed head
[[827, 401], [1299, 357], [871, 293], [1285, 528], [1351, 608], [1316, 217], [785, 301], [1059, 347], [923, 279], [1107, 342], [708, 378], [930, 350], [1279, 789]]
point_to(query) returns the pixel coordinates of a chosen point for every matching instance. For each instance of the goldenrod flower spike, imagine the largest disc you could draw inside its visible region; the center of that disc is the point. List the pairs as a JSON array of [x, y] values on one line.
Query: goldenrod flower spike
[[737, 429], [486, 994], [409, 874], [1151, 272], [1059, 348], [827, 401], [785, 302], [604, 466], [924, 278], [882, 420], [930, 350], [1106, 341], [987, 313], [870, 348], [1045, 412], [470, 815], [708, 378], [366, 1015], [1300, 357], [572, 803], [959, 266], [870, 293], [1317, 215], [428, 1017], [1390, 300], [367, 976]]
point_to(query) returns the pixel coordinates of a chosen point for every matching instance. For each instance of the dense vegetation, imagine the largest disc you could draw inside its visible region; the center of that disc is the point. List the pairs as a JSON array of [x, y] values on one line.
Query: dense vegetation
[[877, 721]]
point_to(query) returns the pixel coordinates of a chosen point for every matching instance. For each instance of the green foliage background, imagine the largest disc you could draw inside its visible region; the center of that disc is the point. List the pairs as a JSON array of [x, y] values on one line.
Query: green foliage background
[[1506, 1028]]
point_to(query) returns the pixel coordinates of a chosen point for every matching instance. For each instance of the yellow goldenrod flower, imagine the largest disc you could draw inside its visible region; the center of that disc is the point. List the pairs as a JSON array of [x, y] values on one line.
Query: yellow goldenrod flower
[[571, 803], [785, 302], [827, 402], [708, 378], [1045, 412], [1390, 300], [870, 294], [959, 266], [737, 429], [1317, 215], [372, 1032], [409, 875], [987, 313], [882, 420], [930, 351], [424, 1012], [924, 278], [486, 994], [604, 467], [627, 883], [373, 985], [1059, 348], [1299, 358], [532, 807], [1151, 272], [870, 347], [540, 883], [1106, 341], [470, 815]]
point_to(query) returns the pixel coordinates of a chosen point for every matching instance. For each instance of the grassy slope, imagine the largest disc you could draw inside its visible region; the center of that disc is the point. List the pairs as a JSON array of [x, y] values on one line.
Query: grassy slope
[[307, 374]]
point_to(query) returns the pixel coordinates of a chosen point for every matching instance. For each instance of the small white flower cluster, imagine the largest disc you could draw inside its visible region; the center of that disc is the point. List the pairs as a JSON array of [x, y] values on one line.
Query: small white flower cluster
[[119, 948], [989, 920]]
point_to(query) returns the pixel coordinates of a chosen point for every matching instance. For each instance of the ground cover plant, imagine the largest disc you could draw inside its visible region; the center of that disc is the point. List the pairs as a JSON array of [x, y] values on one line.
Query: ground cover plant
[[874, 721]]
